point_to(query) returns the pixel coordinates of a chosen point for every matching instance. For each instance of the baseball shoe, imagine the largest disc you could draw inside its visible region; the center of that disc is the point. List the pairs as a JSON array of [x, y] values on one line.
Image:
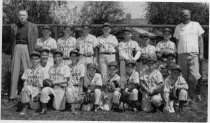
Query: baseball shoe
[[44, 111], [24, 111]]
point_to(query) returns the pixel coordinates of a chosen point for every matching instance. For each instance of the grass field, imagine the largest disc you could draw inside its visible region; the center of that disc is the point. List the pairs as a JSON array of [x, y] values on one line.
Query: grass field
[[192, 115]]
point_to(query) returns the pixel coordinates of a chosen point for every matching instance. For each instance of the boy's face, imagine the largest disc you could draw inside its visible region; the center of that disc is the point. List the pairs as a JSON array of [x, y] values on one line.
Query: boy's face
[[44, 56], [67, 31], [152, 64], [46, 32], [57, 58], [175, 74], [35, 60], [166, 35], [145, 41], [86, 30], [112, 70], [106, 30], [171, 60], [91, 71], [74, 58], [127, 35], [130, 68]]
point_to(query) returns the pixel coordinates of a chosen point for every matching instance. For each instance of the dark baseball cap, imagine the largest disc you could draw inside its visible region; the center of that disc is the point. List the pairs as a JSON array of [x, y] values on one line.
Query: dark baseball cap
[[176, 67], [113, 63], [47, 27], [75, 51], [92, 65], [106, 25], [57, 52], [131, 62], [167, 29], [35, 53]]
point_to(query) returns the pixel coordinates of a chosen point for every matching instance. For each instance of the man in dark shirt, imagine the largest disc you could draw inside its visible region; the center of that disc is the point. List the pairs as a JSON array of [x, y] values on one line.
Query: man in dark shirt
[[23, 36]]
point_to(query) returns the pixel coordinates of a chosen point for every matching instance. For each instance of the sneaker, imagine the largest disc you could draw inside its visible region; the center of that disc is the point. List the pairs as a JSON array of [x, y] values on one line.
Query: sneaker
[[24, 111], [44, 111]]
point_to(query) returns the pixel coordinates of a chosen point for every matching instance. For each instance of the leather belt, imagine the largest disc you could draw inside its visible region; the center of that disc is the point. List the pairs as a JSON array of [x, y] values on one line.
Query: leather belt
[[107, 53], [21, 42], [87, 55]]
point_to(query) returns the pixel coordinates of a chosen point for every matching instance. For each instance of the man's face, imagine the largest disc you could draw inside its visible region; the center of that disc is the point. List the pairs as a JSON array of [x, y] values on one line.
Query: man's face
[[112, 70], [127, 35], [145, 41], [106, 30], [35, 60], [44, 56], [46, 32], [185, 15], [67, 31], [91, 71], [175, 74], [58, 58], [74, 58], [130, 68], [86, 30], [22, 16]]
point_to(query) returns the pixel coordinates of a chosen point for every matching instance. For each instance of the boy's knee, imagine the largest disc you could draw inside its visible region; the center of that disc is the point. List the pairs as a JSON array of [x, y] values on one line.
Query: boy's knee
[[156, 100]]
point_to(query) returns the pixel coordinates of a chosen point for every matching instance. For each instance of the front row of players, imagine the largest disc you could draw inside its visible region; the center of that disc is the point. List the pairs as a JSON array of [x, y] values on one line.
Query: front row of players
[[72, 85]]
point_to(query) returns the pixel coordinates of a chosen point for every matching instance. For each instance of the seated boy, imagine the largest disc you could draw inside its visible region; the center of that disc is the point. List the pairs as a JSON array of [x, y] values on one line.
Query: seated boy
[[151, 83], [74, 89], [33, 78], [112, 88], [59, 75], [129, 82], [92, 87], [175, 88]]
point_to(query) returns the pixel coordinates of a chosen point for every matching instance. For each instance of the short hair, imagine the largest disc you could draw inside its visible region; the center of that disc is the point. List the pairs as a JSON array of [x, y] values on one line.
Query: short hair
[[22, 10], [186, 10]]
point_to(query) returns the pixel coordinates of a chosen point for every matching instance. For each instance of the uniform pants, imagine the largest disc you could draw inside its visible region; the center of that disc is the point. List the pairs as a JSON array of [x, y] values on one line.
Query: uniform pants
[[28, 93], [59, 96], [72, 94], [134, 95], [85, 60], [104, 60], [190, 70], [20, 59]]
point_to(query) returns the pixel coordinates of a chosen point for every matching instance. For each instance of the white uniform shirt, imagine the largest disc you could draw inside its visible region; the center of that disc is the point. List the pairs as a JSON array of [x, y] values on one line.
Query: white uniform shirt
[[67, 45], [188, 34], [151, 79], [126, 49], [77, 72], [49, 44], [148, 50], [46, 69], [34, 77], [127, 80], [86, 45], [96, 80], [107, 45], [166, 47], [59, 73]]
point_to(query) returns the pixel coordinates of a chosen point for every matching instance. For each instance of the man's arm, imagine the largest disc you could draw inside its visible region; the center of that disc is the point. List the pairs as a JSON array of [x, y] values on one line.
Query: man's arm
[[200, 43]]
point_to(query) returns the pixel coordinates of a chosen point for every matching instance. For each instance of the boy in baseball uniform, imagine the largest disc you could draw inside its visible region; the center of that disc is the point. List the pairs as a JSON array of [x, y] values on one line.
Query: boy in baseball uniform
[[111, 92], [92, 85], [152, 84], [175, 88], [87, 45], [46, 42], [166, 46], [33, 78], [74, 87], [67, 43], [129, 82], [126, 49], [107, 49], [59, 75], [44, 62]]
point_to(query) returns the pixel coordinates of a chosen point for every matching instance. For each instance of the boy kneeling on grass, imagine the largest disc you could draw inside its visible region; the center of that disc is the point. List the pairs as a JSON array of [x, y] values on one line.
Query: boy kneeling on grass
[[129, 82], [92, 88], [33, 81], [175, 88], [151, 85]]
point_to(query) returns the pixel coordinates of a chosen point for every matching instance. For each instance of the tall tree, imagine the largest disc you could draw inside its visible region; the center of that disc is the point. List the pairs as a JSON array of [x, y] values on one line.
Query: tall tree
[[169, 12]]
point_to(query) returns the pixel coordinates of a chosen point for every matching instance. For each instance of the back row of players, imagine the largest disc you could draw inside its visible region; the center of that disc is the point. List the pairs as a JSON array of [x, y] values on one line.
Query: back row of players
[[71, 66]]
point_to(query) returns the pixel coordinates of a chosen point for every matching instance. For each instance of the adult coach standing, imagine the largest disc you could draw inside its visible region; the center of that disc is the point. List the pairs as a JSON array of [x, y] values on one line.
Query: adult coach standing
[[190, 50], [24, 35]]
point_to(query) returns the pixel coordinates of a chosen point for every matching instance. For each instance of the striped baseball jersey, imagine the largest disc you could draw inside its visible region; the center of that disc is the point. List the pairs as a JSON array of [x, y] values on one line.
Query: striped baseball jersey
[[166, 47], [107, 45]]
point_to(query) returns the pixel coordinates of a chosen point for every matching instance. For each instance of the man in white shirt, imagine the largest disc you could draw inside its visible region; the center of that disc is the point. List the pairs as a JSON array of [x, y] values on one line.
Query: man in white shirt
[[190, 50]]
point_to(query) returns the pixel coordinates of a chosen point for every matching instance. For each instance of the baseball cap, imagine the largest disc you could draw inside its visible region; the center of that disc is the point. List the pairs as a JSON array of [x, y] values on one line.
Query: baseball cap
[[86, 24], [171, 54], [35, 53], [92, 65], [167, 29], [113, 63], [106, 25], [145, 35], [131, 62], [58, 52], [176, 67], [45, 50], [127, 30], [75, 51], [46, 27]]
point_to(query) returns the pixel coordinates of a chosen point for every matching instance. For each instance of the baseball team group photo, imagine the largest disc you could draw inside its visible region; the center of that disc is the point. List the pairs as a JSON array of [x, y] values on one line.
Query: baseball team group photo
[[104, 61]]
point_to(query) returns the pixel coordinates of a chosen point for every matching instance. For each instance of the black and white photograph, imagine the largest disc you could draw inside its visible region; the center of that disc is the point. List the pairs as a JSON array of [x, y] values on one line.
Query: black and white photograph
[[141, 61]]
